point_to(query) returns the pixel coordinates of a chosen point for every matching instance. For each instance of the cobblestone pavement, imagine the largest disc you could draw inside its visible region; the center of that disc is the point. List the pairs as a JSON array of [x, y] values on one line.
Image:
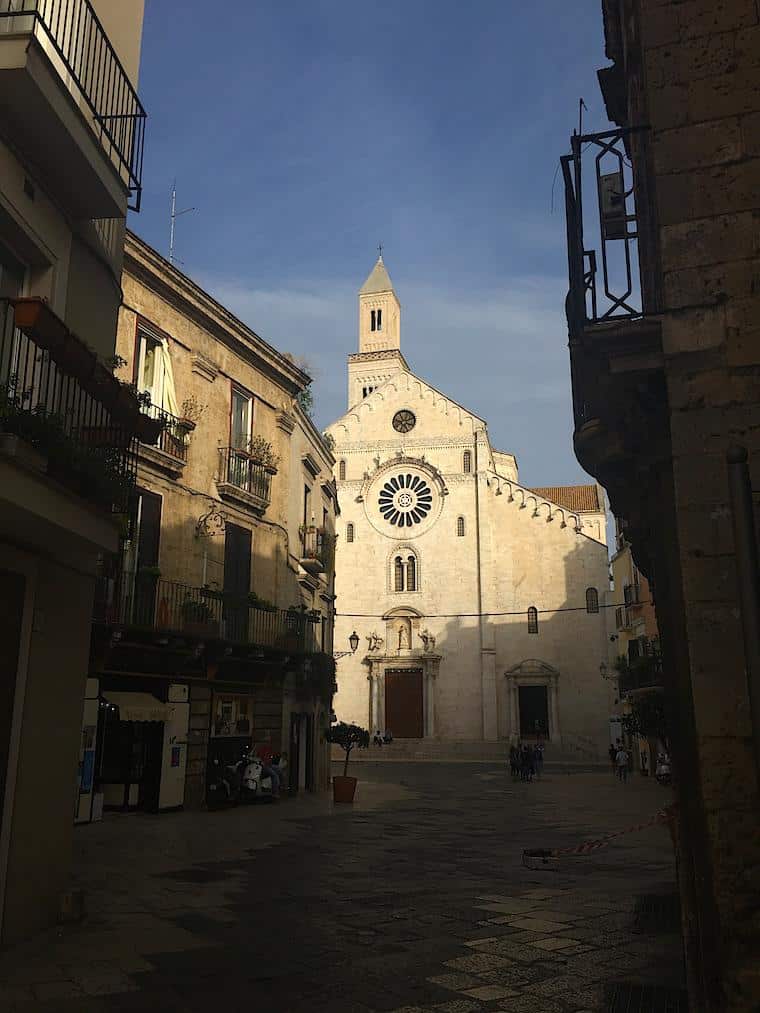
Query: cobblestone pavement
[[414, 899]]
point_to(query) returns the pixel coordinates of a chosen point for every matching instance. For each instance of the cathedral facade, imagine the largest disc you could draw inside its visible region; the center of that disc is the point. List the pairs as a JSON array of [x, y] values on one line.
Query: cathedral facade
[[480, 603]]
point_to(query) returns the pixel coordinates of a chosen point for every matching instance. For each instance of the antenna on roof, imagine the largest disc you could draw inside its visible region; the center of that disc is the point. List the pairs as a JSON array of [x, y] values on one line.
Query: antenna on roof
[[174, 215]]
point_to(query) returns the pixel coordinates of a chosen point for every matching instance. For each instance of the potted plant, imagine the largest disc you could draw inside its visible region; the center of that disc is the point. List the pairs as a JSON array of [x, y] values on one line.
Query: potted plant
[[35, 318], [197, 618], [347, 737], [262, 453], [190, 414]]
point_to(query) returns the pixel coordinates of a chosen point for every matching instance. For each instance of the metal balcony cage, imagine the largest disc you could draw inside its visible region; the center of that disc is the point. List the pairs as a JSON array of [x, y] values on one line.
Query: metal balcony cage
[[73, 30], [144, 600], [237, 467], [82, 446], [602, 238]]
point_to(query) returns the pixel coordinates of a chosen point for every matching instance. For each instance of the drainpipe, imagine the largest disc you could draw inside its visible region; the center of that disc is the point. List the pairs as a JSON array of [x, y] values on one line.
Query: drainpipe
[[480, 589], [748, 574]]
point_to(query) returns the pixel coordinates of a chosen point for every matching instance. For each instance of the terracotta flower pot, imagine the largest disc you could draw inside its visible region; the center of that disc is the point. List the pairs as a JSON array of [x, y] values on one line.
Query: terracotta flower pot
[[36, 319], [344, 788]]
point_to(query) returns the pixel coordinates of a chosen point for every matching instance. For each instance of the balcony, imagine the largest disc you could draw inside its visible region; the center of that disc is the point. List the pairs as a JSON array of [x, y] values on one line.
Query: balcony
[[145, 601], [632, 594], [68, 103], [169, 454], [317, 550], [244, 480], [62, 414], [623, 618], [643, 674]]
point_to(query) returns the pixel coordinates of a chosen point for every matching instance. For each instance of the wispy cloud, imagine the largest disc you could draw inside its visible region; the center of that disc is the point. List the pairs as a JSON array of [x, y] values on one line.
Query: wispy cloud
[[501, 352]]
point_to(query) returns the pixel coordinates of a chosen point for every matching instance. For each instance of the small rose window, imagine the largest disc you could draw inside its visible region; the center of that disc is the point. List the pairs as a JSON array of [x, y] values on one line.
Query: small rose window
[[405, 500]]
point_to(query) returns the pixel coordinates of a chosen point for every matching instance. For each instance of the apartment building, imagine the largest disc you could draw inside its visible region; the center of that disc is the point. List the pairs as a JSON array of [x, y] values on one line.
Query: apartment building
[[213, 623], [662, 313], [71, 141]]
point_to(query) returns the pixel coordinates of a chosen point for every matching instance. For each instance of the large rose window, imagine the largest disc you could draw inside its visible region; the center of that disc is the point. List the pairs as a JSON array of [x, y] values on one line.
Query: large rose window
[[405, 500]]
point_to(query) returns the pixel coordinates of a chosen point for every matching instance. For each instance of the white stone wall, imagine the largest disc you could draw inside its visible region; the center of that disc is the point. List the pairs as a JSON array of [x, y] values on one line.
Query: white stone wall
[[517, 550]]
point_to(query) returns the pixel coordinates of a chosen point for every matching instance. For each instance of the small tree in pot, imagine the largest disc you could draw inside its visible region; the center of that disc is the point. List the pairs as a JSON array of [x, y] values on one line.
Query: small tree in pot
[[347, 737]]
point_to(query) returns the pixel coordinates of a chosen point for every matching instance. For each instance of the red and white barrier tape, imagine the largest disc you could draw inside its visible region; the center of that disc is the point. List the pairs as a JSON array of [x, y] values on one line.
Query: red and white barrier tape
[[662, 816]]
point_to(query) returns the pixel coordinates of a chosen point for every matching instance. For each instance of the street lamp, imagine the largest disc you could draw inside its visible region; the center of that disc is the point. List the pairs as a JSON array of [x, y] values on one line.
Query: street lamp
[[353, 641]]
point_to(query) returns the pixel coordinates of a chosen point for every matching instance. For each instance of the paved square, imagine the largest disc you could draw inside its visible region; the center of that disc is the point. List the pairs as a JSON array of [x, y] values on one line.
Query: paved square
[[377, 907]]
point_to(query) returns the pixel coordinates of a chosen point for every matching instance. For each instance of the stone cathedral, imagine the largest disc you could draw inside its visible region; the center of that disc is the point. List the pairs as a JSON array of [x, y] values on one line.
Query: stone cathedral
[[479, 602]]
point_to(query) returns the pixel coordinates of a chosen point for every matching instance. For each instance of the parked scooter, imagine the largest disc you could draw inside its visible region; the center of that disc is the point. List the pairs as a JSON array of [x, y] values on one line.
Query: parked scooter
[[222, 784], [254, 786], [662, 770]]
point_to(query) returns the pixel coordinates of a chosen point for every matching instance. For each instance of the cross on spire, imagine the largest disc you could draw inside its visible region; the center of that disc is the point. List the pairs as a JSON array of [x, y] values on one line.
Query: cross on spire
[[380, 250]]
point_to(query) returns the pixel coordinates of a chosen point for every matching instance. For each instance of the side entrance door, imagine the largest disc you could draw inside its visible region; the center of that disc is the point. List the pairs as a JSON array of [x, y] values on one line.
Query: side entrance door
[[403, 703]]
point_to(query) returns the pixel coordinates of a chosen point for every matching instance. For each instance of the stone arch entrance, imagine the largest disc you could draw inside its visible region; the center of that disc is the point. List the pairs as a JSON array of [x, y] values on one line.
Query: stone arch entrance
[[532, 699]]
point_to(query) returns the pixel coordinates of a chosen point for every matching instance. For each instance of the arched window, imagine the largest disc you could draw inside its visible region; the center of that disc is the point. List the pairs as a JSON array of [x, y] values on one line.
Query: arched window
[[467, 461], [460, 527], [411, 574], [533, 619], [372, 321], [342, 471], [398, 574], [592, 599], [349, 532], [379, 320]]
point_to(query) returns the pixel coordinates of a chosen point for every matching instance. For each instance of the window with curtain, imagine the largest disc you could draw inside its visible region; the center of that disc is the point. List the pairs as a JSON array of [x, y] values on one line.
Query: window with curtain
[[349, 532], [467, 461], [411, 574], [398, 574], [532, 619], [460, 527], [154, 374], [592, 599], [342, 471]]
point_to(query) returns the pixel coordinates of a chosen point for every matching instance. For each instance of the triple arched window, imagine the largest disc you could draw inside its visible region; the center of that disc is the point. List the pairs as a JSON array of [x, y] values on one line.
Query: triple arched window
[[533, 619], [592, 599], [342, 471], [349, 532], [404, 573], [467, 461]]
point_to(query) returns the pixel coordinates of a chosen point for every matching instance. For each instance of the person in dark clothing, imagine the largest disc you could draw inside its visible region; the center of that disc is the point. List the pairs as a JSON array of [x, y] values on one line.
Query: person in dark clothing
[[612, 753]]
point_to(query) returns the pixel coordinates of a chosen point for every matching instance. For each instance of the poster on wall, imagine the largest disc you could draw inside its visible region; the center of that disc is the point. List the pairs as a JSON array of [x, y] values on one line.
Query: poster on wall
[[232, 716]]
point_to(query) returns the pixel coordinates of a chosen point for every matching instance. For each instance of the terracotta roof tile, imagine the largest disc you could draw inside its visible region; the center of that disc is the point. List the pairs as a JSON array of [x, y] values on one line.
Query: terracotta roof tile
[[578, 498]]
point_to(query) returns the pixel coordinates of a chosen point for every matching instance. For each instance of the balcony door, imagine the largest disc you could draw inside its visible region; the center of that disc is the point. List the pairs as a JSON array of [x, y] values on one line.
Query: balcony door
[[141, 560], [237, 581]]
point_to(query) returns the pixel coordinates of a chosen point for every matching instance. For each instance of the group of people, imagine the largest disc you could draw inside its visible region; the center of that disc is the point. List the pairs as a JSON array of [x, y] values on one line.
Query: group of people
[[526, 761], [382, 738]]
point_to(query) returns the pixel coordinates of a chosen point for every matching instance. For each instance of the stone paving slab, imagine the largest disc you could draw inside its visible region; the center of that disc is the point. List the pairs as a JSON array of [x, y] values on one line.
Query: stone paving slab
[[411, 901]]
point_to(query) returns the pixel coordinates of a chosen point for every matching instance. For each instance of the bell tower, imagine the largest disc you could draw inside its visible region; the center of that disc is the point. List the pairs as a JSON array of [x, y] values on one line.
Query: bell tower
[[379, 312], [379, 356]]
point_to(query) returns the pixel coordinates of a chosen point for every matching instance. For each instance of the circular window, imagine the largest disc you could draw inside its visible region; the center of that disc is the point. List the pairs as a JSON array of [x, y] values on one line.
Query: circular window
[[405, 500], [404, 421]]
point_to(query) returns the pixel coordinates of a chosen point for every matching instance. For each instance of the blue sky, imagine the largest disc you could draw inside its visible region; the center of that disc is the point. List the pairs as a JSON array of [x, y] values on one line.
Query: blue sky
[[307, 132]]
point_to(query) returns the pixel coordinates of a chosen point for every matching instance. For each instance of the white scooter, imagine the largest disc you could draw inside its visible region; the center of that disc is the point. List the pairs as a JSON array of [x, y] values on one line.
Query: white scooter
[[254, 786], [662, 770]]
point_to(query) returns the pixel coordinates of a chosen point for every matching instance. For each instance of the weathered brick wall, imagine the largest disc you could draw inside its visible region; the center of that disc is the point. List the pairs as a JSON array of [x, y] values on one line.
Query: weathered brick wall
[[701, 75]]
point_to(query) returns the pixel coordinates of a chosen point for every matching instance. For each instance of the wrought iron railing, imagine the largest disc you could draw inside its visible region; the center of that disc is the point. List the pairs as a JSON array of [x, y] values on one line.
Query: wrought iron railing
[[96, 76], [144, 600], [318, 545], [173, 439], [604, 270], [84, 449], [238, 468], [642, 673]]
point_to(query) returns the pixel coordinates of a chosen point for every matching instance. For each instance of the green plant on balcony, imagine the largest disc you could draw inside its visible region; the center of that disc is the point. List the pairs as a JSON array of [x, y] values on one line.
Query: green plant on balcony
[[263, 604], [196, 612], [262, 452], [214, 593]]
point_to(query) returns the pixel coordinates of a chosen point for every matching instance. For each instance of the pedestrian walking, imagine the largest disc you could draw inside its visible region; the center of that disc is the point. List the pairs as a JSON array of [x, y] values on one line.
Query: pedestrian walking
[[514, 763], [377, 739], [622, 764], [537, 759], [612, 752], [526, 764]]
